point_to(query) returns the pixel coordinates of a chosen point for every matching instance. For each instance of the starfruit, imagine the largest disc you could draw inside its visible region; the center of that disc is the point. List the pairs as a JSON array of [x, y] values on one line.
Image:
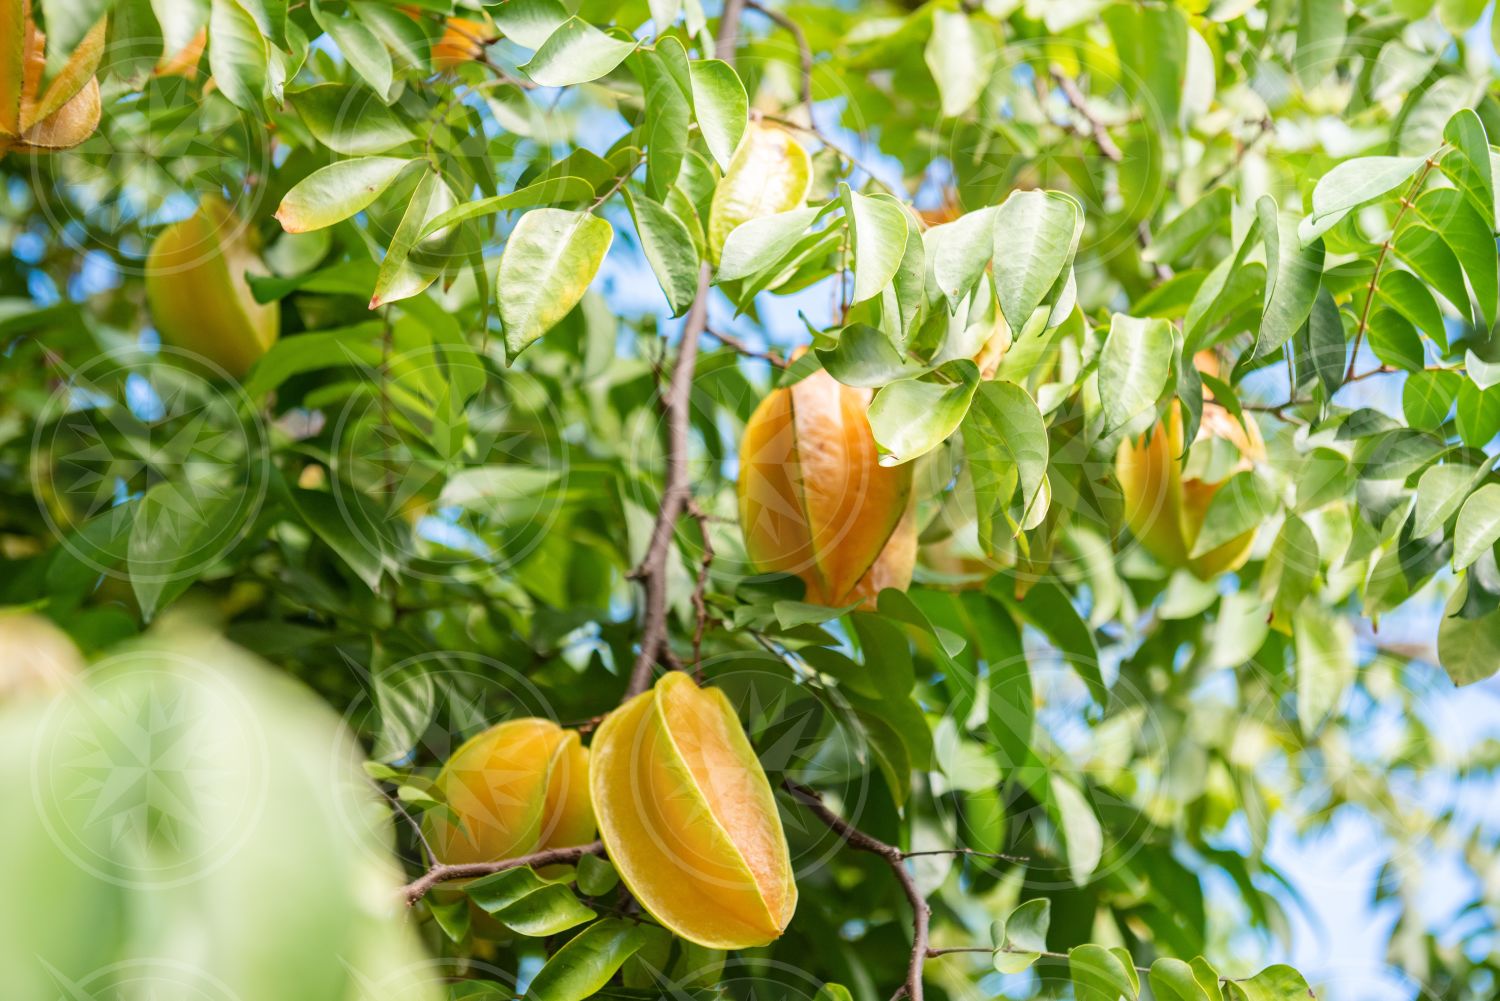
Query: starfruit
[[519, 787], [197, 293], [63, 114], [463, 41], [1166, 501], [688, 818], [815, 501], [769, 173]]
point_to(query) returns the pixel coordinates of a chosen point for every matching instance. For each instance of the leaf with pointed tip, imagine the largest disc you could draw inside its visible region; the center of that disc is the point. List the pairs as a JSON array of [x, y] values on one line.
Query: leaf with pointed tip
[[759, 243], [528, 23], [1351, 184], [1005, 443], [1035, 234], [334, 193], [721, 107], [550, 258], [669, 249], [350, 120], [237, 54], [1478, 526], [1293, 276], [915, 416], [877, 226], [957, 254], [577, 52], [401, 276], [586, 962]]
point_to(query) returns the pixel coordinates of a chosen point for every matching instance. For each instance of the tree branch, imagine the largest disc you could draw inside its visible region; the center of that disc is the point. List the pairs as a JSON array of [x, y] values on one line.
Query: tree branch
[[417, 888], [804, 53], [731, 341], [677, 491], [895, 858]]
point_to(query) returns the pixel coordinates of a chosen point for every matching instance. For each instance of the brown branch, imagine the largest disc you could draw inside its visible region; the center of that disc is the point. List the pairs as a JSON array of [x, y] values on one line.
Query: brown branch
[[677, 490], [417, 888], [652, 571], [804, 52], [731, 341], [1097, 130], [700, 604], [895, 859]]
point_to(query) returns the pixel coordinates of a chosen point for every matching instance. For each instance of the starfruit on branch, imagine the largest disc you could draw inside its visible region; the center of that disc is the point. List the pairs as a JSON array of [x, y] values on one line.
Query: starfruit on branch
[[1167, 500], [197, 292], [65, 112], [688, 818], [517, 788], [814, 499]]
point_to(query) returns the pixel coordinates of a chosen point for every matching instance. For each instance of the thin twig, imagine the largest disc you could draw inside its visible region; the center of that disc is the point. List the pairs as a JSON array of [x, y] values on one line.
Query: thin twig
[[677, 490], [1097, 130], [966, 851], [894, 858], [731, 341], [843, 153], [700, 603], [417, 888], [804, 52], [1385, 248]]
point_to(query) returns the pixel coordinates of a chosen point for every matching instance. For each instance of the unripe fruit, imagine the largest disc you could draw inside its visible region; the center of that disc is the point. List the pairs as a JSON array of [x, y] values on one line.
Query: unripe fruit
[[519, 787], [688, 818], [814, 499], [196, 289], [1165, 506]]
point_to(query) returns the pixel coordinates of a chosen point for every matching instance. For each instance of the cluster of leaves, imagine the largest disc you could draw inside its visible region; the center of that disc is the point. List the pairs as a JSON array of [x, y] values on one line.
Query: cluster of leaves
[[455, 445]]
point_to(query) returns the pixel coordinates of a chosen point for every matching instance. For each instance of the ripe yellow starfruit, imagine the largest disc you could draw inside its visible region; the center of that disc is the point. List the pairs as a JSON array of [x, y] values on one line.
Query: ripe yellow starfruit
[[197, 293], [769, 173], [1165, 503], [66, 112], [815, 501], [463, 41], [519, 787], [688, 818]]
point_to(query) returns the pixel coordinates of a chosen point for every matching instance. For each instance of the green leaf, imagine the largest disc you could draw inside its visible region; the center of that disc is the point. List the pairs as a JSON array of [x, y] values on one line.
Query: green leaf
[[1478, 526], [528, 23], [350, 120], [1405, 293], [1293, 274], [1321, 27], [1427, 397], [1173, 980], [1021, 937], [865, 357], [1351, 184], [1099, 975], [759, 242], [577, 52], [1327, 349], [1274, 983], [669, 249], [1471, 237], [1081, 830], [352, 532], [1440, 491], [833, 992], [960, 59], [1241, 505], [958, 252], [1133, 368], [1478, 414], [1005, 442], [550, 258], [912, 417], [1186, 232], [1395, 341], [1425, 252], [528, 903], [1325, 664], [669, 111], [67, 23], [1152, 43], [1468, 648], [586, 962], [1035, 234], [596, 875], [721, 107], [175, 532], [877, 227], [1465, 131], [1291, 568], [237, 54], [360, 46], [403, 271], [334, 193]]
